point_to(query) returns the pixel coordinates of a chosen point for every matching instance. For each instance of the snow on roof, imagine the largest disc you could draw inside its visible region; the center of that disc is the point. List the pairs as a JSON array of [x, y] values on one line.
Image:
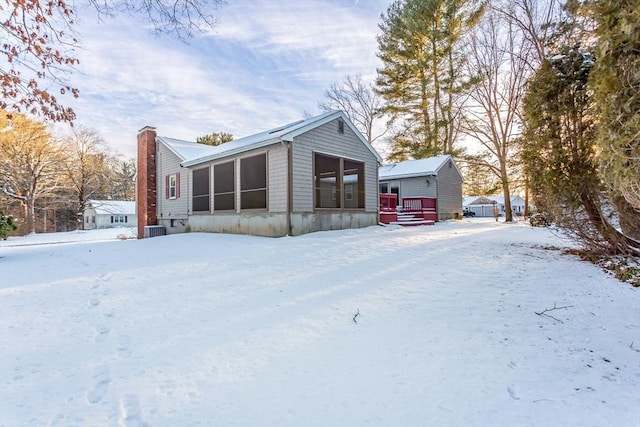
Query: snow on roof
[[410, 168], [113, 207], [186, 149], [192, 153]]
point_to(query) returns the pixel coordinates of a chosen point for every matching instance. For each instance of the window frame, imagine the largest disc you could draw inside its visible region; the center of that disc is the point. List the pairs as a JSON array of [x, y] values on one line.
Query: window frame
[[197, 196], [219, 195], [342, 194], [173, 194], [262, 188]]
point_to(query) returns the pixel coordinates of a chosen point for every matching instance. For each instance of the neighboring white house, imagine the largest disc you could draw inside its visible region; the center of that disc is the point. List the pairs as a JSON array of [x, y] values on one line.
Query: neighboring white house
[[109, 214], [436, 177], [314, 174], [483, 205]]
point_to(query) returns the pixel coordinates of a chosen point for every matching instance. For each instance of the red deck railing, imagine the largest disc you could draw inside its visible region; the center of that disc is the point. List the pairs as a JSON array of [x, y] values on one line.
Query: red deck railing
[[427, 207], [388, 205]]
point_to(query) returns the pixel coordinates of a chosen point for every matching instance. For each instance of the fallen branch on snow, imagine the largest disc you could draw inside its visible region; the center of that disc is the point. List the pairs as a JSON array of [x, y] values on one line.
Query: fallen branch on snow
[[544, 312], [356, 315]]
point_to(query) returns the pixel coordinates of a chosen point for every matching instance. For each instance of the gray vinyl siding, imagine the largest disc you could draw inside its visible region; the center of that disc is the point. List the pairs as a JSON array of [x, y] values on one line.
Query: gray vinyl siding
[[168, 164], [449, 192], [325, 139], [277, 177], [418, 187]]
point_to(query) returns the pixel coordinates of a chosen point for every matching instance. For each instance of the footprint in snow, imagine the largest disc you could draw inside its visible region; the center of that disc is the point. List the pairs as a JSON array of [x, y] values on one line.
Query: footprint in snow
[[101, 378], [130, 413], [124, 352], [513, 393], [93, 302], [101, 333]]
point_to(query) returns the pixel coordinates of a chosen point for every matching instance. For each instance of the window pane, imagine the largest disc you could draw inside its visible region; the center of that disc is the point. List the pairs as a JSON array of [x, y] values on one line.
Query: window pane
[[201, 203], [224, 187], [253, 182], [255, 199], [224, 202], [223, 177], [200, 200], [253, 172], [327, 181], [201, 182], [354, 184]]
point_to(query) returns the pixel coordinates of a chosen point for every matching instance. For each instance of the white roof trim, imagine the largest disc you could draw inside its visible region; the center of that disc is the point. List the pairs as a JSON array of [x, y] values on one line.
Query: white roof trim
[[283, 133]]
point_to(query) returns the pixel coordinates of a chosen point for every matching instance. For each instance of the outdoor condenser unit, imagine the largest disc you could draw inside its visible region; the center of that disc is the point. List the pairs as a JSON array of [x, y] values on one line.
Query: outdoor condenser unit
[[153, 231]]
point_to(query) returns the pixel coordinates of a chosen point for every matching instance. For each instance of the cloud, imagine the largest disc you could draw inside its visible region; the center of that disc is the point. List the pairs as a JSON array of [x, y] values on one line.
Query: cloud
[[264, 64]]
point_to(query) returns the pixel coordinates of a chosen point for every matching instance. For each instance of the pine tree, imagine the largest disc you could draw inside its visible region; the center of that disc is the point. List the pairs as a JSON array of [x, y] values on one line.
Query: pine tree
[[616, 84], [420, 77], [215, 138], [560, 156]]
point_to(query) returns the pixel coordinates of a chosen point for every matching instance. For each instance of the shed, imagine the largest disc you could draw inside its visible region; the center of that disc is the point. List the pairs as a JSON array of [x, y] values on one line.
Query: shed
[[109, 214], [434, 177], [483, 206], [310, 175]]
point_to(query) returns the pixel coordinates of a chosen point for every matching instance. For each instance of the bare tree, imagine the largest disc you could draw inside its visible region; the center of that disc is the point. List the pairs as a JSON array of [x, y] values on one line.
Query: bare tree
[[87, 167], [359, 101], [499, 57]]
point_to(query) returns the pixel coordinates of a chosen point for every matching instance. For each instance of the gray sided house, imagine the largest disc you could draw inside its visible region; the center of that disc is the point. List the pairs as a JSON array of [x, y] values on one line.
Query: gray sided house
[[310, 175], [436, 177], [109, 214]]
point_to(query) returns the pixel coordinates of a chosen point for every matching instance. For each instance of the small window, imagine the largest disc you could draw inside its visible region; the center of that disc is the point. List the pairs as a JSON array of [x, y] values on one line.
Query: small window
[[384, 187], [172, 186], [340, 126]]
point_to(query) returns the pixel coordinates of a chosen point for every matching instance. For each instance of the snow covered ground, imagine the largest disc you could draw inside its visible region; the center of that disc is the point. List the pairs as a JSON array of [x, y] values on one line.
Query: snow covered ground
[[383, 326]]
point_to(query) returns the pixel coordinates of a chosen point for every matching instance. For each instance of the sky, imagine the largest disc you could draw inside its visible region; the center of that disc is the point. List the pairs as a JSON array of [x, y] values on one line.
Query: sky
[[265, 63], [464, 323]]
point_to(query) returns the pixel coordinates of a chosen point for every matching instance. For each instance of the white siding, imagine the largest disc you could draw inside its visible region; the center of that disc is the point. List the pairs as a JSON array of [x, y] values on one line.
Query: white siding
[[168, 164]]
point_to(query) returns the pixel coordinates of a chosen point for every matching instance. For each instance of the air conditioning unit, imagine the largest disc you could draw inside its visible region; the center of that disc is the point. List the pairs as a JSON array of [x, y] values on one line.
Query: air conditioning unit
[[153, 231]]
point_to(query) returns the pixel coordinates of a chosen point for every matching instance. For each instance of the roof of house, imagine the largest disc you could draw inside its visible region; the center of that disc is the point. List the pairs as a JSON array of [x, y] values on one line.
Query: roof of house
[[113, 207], [192, 153], [413, 168]]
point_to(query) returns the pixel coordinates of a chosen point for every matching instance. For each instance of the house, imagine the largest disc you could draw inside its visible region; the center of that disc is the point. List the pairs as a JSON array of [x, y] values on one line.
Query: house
[[314, 174], [483, 206], [435, 177], [109, 214]]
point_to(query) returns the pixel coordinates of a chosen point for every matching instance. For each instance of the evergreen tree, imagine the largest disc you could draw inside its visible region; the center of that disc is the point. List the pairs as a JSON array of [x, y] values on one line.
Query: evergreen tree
[[215, 138], [559, 154], [6, 225], [616, 83], [420, 77]]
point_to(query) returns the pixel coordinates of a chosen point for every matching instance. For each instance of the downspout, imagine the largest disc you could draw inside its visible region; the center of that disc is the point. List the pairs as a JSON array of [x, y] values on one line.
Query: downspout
[[287, 145]]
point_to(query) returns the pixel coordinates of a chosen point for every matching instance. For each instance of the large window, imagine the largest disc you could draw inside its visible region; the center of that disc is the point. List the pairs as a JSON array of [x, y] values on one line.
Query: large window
[[201, 190], [339, 183], [224, 195], [253, 182]]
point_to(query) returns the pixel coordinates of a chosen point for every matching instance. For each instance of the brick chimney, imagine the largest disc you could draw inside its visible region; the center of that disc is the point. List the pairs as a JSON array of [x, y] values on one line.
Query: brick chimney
[[146, 182]]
